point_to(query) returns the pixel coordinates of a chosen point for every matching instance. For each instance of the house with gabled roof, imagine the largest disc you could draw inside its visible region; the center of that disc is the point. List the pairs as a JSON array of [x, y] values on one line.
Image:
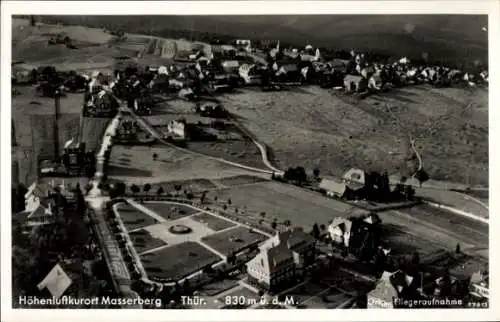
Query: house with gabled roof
[[340, 230], [281, 258], [390, 286]]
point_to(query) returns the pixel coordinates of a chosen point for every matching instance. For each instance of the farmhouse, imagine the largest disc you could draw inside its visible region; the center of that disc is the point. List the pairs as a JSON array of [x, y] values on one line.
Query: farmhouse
[[282, 258], [355, 175], [340, 231], [355, 83], [177, 128]]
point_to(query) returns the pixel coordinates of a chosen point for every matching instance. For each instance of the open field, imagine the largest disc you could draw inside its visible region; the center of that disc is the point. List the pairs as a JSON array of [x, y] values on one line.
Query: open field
[[239, 180], [285, 202], [136, 165], [240, 151], [314, 128], [403, 242], [132, 217], [470, 231], [462, 201], [213, 223], [177, 261], [33, 119], [143, 241], [425, 229], [169, 211], [447, 38], [233, 240]]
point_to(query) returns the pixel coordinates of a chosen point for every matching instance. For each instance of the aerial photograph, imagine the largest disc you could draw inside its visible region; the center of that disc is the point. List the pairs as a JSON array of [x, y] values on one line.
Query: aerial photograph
[[250, 161]]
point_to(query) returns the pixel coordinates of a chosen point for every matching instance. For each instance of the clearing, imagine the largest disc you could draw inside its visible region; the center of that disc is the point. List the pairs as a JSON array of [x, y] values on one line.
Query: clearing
[[135, 164], [313, 127], [178, 261], [284, 202]]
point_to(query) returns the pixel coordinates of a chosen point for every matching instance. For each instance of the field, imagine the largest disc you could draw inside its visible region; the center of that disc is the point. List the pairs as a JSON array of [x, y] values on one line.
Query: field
[[474, 202], [284, 202], [239, 180], [233, 240], [177, 261], [213, 223], [425, 229], [448, 38], [169, 211], [133, 218], [313, 127], [143, 241], [33, 119], [241, 151], [136, 165]]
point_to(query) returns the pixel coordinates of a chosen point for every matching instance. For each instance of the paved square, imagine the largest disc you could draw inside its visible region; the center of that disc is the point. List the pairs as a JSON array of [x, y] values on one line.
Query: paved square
[[198, 230]]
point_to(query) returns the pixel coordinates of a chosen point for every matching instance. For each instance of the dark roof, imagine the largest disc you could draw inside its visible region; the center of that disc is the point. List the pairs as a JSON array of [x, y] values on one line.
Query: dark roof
[[277, 255], [295, 238]]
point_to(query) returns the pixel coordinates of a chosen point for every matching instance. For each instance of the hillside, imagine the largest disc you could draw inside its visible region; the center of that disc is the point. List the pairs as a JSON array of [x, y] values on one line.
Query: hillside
[[454, 39]]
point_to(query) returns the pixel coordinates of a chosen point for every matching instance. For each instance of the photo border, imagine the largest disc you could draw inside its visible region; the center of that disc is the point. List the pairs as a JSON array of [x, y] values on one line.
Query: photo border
[[490, 7]]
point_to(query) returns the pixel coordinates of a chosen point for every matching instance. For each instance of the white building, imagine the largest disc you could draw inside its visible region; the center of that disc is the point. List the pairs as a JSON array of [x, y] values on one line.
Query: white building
[[178, 128], [281, 258]]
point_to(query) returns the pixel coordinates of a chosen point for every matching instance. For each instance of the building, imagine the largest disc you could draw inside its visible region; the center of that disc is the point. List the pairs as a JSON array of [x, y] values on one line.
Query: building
[[272, 267], [230, 66], [340, 231], [390, 287], [479, 285], [355, 176], [282, 258], [355, 83], [375, 83], [334, 188], [178, 128], [36, 193]]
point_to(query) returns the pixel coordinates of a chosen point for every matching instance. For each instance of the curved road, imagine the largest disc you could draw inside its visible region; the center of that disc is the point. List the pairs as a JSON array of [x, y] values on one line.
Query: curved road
[[159, 137]]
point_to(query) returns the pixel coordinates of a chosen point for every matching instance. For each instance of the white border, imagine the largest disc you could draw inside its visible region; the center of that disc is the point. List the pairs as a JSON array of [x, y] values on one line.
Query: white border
[[490, 7]]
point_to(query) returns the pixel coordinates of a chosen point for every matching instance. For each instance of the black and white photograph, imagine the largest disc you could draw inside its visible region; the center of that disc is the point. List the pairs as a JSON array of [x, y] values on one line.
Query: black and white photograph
[[246, 161]]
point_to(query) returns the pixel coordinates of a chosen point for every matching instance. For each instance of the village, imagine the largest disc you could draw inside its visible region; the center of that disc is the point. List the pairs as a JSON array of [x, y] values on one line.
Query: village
[[183, 199]]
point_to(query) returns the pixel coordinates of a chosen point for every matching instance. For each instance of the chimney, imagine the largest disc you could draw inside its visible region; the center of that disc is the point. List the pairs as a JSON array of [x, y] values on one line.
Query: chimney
[[56, 124]]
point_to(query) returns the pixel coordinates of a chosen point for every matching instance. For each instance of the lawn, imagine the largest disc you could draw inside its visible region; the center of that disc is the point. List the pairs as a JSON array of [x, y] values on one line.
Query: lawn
[[143, 241], [233, 240], [178, 261], [133, 218], [240, 151], [284, 202], [467, 229], [135, 164], [170, 211], [239, 180], [212, 222]]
